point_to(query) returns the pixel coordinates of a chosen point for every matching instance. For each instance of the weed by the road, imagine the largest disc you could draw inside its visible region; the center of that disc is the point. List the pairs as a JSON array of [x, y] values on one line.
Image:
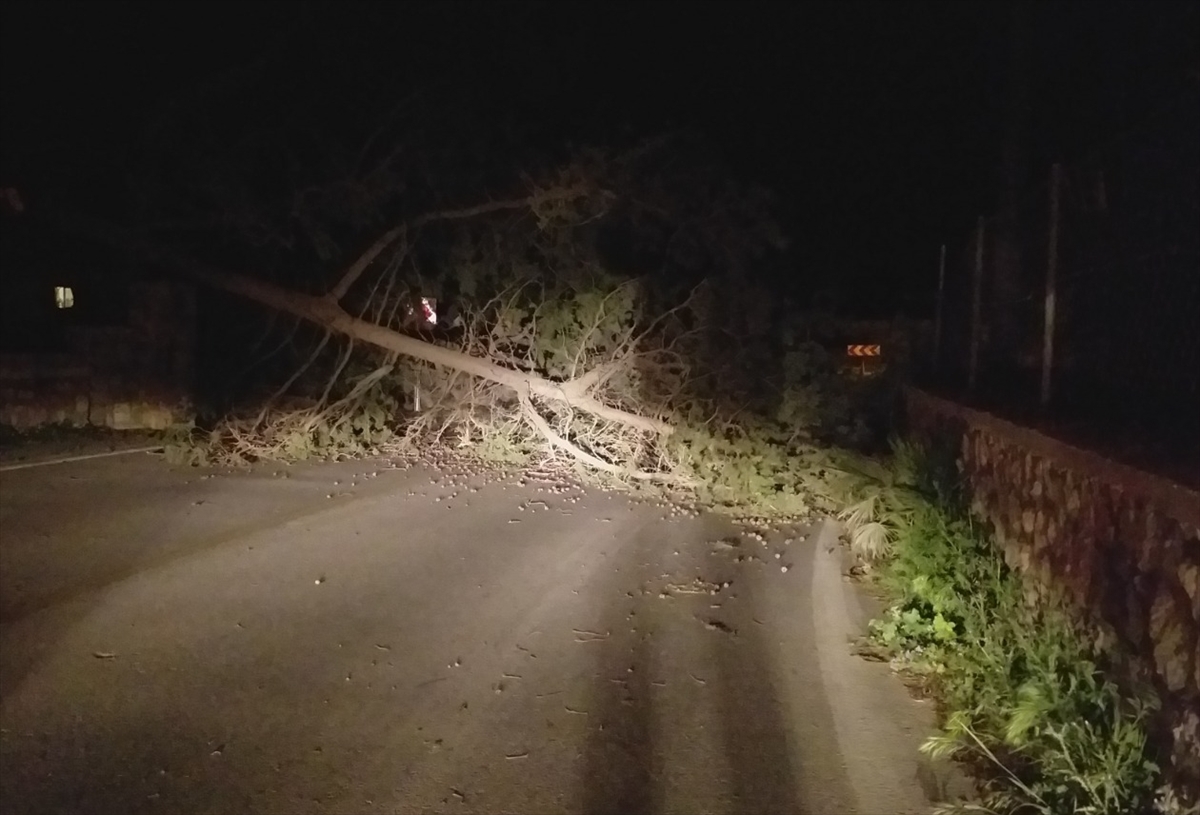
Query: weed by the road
[[355, 423], [1024, 696], [752, 467]]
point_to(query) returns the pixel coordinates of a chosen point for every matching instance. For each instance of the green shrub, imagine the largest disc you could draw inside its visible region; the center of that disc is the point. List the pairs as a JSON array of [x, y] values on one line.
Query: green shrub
[[1024, 696]]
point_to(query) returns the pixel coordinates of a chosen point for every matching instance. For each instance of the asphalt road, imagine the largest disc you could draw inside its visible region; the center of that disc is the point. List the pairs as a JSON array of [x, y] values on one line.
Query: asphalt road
[[355, 637]]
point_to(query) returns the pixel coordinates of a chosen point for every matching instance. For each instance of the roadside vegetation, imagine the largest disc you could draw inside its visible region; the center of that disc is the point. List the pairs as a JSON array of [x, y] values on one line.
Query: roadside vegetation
[[1023, 696]]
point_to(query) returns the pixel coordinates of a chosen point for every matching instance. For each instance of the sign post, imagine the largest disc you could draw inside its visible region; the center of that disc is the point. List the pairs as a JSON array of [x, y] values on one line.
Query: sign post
[[862, 352]]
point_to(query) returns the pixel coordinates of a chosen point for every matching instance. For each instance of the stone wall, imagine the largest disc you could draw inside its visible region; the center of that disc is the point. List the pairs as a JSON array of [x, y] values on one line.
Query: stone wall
[[135, 376], [1118, 546]]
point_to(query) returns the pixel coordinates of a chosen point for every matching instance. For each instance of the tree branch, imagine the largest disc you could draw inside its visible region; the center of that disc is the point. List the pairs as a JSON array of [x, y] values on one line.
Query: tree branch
[[580, 385], [355, 270], [555, 440]]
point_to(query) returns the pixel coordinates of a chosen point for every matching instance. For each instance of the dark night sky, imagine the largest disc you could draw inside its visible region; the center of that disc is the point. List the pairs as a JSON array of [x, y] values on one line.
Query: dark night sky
[[877, 123]]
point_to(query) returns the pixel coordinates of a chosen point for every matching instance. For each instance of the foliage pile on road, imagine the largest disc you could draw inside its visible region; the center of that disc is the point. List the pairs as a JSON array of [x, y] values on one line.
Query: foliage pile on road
[[358, 422], [1023, 692]]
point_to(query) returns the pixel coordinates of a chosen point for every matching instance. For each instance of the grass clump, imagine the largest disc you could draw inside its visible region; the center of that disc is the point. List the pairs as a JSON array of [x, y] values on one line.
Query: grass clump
[[1024, 697]]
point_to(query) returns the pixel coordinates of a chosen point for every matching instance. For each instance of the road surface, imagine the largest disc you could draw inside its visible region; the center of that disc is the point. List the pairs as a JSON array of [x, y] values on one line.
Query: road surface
[[358, 637]]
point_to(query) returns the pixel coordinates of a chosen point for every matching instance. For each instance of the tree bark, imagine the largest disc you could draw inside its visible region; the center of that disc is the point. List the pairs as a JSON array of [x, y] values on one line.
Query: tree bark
[[325, 311]]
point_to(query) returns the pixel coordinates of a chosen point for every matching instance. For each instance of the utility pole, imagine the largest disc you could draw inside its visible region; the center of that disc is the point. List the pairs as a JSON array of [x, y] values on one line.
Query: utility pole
[[1006, 269], [976, 308], [1051, 286], [937, 313]]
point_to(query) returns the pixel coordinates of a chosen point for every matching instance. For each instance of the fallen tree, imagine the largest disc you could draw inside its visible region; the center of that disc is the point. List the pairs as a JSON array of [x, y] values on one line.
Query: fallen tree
[[326, 311], [583, 332], [612, 405]]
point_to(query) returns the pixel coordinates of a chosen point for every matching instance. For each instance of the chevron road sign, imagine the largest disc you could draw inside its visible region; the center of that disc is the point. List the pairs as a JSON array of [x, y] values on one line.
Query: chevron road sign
[[862, 350]]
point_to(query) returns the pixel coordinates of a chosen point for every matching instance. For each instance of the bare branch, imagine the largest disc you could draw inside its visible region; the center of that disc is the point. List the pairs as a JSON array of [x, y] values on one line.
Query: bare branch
[[292, 379], [355, 270], [555, 440], [595, 377], [337, 373], [541, 197]]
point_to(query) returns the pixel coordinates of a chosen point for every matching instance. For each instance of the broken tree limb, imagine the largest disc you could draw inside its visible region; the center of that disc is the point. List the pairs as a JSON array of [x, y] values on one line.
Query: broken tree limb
[[326, 312], [557, 441], [354, 270], [596, 376]]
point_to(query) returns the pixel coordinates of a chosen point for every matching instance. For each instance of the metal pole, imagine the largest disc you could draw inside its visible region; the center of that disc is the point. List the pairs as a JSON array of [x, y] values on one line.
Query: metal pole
[[1051, 286], [937, 314], [976, 308]]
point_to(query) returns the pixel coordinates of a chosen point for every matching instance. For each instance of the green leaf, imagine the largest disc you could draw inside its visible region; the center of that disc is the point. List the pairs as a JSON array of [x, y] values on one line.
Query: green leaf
[[943, 630]]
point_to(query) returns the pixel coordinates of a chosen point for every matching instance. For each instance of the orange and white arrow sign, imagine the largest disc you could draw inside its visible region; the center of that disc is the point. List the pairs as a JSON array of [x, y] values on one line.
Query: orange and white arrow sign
[[862, 350]]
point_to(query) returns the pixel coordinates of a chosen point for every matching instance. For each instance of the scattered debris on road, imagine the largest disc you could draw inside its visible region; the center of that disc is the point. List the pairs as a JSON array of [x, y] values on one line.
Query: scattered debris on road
[[717, 625], [727, 543], [582, 635], [695, 586]]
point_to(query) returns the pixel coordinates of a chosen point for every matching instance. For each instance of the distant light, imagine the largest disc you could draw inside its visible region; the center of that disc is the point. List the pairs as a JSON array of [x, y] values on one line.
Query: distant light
[[429, 309], [64, 297]]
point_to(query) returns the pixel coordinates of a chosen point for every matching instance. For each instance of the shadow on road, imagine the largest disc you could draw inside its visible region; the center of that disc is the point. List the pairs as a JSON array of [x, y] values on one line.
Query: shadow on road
[[624, 753], [753, 721], [621, 763]]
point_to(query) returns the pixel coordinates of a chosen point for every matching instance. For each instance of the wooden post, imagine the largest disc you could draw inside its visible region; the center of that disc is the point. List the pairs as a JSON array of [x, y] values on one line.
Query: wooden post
[[1051, 286], [976, 308], [937, 313]]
